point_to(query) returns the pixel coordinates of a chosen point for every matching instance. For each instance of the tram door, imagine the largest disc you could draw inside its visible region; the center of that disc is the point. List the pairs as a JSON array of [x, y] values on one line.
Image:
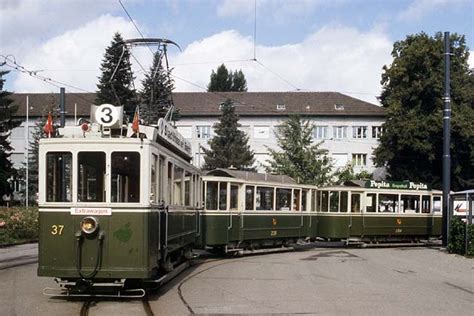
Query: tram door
[[356, 214]]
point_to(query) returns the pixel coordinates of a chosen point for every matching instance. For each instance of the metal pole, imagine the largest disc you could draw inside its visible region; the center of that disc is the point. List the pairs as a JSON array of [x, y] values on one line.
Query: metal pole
[[27, 148], [446, 138], [62, 105]]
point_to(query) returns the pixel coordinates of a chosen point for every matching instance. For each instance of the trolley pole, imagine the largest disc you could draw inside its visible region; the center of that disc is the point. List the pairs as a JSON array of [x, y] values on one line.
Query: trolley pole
[[446, 138]]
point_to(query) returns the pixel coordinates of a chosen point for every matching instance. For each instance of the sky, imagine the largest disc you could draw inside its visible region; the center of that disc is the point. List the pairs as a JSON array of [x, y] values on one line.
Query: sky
[[280, 45]]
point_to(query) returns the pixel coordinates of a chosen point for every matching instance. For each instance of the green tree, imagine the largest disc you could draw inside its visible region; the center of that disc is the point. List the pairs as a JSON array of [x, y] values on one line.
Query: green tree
[[224, 80], [155, 96], [7, 123], [122, 81], [346, 173], [299, 158], [411, 146], [230, 145]]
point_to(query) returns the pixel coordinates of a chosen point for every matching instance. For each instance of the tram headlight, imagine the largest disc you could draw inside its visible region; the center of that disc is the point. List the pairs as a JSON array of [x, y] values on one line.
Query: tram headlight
[[89, 225]]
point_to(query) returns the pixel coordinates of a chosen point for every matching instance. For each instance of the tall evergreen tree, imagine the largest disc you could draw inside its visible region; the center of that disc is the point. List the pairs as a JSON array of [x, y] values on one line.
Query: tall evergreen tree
[[122, 81], [7, 123], [299, 158], [412, 144], [33, 149], [224, 80], [230, 145], [155, 96]]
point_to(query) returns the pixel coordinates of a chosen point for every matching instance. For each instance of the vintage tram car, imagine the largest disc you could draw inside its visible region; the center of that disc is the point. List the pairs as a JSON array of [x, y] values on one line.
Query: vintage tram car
[[246, 210], [116, 202], [378, 211]]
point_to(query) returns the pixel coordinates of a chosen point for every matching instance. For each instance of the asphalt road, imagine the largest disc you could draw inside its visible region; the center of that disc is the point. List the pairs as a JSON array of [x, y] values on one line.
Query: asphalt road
[[320, 281]]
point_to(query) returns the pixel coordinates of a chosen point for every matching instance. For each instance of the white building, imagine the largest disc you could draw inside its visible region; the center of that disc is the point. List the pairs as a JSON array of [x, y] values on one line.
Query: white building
[[349, 127]]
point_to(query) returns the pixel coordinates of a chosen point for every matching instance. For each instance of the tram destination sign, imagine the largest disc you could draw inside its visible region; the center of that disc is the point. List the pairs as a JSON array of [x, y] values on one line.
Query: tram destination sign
[[397, 185], [169, 134]]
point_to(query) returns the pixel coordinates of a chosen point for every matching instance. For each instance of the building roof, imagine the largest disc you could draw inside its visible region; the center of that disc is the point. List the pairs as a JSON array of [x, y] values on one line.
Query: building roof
[[195, 104]]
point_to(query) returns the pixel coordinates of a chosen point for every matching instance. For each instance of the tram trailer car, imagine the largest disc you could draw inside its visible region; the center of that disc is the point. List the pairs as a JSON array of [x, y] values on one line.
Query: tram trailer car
[[379, 211], [248, 210], [114, 208]]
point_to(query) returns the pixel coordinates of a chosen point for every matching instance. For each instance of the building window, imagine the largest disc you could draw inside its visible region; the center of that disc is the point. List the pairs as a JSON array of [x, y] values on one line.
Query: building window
[[359, 159], [340, 132], [340, 159], [203, 131], [261, 132], [377, 131], [320, 132], [359, 131]]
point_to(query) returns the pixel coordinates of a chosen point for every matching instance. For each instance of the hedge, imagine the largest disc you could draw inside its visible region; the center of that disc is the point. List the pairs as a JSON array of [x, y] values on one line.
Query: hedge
[[18, 225], [457, 234]]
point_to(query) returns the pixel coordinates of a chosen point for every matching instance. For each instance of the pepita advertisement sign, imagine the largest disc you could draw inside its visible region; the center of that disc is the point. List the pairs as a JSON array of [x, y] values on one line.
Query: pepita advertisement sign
[[397, 185]]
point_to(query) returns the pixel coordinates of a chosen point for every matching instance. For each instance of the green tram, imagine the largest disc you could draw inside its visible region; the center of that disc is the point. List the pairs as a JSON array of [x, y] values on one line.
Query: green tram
[[115, 203], [248, 210], [378, 211]]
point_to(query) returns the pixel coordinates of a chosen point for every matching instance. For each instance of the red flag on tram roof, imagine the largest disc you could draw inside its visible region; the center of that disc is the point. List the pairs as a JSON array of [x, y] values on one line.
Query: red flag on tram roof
[[136, 122], [48, 127]]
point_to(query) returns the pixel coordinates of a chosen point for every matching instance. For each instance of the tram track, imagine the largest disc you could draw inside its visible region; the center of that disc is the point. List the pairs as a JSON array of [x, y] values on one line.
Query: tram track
[[86, 307]]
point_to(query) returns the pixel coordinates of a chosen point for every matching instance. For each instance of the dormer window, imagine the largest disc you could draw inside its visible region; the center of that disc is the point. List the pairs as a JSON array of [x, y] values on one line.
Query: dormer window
[[281, 107], [339, 107]]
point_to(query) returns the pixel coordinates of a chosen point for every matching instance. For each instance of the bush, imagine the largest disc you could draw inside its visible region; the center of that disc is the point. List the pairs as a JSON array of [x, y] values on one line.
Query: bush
[[457, 233], [18, 225]]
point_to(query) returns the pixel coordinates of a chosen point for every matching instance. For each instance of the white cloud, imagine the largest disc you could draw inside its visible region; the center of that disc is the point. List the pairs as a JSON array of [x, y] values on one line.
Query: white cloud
[[420, 8], [333, 59], [73, 57], [470, 61]]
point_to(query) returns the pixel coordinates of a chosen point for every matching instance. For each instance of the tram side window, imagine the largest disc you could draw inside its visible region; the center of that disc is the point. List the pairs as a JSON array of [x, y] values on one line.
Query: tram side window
[[234, 196], [161, 173], [283, 198], [304, 200], [324, 201], [125, 177], [388, 203], [355, 203], [91, 174], [153, 187], [334, 201], [58, 177], [170, 181], [211, 195], [249, 197], [370, 202], [344, 198], [315, 200], [188, 177], [222, 196], [426, 204], [178, 186], [436, 204], [264, 199], [296, 200], [410, 203]]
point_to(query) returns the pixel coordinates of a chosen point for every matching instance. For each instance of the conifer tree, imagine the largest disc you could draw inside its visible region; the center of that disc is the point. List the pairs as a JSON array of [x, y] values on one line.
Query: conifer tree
[[230, 146], [155, 97], [299, 158], [122, 81], [7, 123], [223, 80]]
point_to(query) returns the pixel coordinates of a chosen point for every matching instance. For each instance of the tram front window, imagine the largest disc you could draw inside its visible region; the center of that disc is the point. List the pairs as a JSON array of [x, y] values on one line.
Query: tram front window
[[91, 174], [125, 177], [58, 177]]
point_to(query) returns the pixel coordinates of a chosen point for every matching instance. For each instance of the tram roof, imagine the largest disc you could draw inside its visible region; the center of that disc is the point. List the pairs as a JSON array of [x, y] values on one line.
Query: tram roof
[[251, 176]]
